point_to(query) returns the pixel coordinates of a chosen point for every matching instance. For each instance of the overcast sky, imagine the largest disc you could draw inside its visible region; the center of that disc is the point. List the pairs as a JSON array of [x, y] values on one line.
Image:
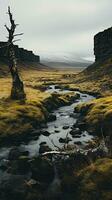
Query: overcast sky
[[58, 27]]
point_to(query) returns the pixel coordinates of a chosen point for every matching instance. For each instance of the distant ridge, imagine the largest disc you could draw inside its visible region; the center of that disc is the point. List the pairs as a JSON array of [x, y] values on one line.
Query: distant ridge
[[21, 54]]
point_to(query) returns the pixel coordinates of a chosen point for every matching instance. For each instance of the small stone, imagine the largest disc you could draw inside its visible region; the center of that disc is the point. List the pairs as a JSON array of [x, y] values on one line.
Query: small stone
[[64, 140], [45, 133], [78, 143], [65, 127], [76, 136], [57, 131], [75, 132]]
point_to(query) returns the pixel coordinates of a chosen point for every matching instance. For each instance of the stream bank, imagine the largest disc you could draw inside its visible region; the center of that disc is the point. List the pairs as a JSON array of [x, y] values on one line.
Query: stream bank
[[26, 174]]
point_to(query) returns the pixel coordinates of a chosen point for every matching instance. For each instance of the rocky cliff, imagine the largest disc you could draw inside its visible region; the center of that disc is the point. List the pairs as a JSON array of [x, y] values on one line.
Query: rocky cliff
[[21, 53], [103, 45]]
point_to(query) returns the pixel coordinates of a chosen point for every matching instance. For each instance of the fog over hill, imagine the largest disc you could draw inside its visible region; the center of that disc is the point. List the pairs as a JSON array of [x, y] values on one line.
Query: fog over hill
[[65, 60]]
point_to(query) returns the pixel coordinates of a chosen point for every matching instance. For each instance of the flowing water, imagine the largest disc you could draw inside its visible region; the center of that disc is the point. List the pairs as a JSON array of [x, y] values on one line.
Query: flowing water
[[65, 116]]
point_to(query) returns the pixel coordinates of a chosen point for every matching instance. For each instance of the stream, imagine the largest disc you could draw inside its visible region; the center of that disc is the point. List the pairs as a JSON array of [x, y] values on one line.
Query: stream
[[65, 117], [60, 128]]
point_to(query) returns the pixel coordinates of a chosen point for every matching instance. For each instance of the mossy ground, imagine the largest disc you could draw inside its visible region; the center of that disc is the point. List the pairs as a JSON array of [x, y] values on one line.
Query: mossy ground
[[96, 181], [98, 114], [96, 79], [16, 117], [92, 182]]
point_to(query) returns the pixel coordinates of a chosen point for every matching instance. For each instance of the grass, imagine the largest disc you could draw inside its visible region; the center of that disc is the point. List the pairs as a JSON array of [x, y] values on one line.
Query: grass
[[96, 181], [98, 115], [19, 118], [96, 79], [89, 183]]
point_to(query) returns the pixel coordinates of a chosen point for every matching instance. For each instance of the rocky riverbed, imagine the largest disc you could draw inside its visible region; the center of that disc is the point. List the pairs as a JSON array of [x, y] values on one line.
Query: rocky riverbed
[[27, 173]]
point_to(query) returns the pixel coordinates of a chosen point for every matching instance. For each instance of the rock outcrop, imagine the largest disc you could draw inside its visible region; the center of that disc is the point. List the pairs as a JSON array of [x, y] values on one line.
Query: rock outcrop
[[103, 45], [21, 53]]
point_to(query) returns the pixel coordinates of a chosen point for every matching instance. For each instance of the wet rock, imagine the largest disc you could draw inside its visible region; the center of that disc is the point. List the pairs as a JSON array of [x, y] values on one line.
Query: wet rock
[[51, 118], [57, 87], [15, 153], [57, 131], [65, 127], [45, 133], [76, 136], [42, 170], [42, 143], [78, 143], [64, 140], [75, 132], [44, 148]]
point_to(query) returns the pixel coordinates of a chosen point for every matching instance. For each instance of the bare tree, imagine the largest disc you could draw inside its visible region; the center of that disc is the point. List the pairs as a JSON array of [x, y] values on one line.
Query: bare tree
[[17, 91]]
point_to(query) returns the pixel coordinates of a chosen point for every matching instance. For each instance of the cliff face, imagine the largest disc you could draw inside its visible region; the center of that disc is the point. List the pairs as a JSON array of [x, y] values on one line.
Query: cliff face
[[103, 45], [21, 54]]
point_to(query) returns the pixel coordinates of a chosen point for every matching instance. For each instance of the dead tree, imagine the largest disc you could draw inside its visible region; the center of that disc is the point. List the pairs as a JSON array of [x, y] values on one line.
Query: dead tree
[[17, 91]]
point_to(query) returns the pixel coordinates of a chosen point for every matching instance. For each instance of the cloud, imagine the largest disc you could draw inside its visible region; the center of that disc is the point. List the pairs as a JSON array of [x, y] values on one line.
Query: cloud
[[58, 25]]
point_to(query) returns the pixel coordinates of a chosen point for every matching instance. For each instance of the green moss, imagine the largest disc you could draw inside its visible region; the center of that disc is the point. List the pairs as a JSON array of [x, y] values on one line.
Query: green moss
[[98, 114], [96, 181], [17, 118]]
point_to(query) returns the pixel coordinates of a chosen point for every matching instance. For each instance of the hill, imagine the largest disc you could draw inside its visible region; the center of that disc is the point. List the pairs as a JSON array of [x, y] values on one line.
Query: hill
[[96, 78]]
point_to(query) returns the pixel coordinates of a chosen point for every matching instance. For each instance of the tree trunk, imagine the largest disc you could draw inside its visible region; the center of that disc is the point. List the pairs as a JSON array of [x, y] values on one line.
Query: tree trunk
[[17, 91]]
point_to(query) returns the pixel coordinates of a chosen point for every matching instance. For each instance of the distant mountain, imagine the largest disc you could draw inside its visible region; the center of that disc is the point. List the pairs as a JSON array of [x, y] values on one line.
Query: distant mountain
[[65, 65], [64, 60]]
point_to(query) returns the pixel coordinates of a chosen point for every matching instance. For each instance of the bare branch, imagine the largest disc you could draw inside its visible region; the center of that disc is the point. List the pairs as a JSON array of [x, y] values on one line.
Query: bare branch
[[18, 34], [16, 40], [7, 28]]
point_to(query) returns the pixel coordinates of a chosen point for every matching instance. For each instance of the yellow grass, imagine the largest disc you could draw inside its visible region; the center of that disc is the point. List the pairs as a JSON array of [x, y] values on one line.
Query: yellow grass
[[19, 117]]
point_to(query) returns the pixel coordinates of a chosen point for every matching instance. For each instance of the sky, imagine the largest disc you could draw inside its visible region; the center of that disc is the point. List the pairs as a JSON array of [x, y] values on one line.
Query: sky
[[58, 28]]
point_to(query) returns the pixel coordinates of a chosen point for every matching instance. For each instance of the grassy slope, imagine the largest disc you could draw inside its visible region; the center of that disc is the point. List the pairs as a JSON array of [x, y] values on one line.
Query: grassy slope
[[21, 117], [97, 79]]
